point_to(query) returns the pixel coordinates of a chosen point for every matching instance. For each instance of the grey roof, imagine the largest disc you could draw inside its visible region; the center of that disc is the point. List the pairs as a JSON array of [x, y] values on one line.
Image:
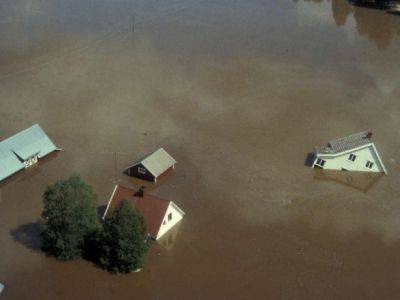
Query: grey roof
[[18, 148], [157, 162], [347, 143]]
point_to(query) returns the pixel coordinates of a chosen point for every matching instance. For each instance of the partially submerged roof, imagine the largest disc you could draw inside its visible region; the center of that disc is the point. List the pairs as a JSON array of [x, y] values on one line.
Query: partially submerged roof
[[346, 143], [20, 147], [157, 162], [151, 207]]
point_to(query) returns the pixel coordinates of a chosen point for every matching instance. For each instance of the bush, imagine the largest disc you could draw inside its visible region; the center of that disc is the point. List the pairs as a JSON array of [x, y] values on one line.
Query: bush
[[70, 217], [123, 240]]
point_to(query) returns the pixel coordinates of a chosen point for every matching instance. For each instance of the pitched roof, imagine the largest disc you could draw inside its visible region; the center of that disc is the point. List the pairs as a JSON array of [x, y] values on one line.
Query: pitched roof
[[157, 162], [151, 207], [346, 143], [18, 148]]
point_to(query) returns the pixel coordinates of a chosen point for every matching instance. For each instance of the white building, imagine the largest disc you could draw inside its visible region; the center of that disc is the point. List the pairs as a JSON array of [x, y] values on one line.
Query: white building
[[356, 152], [160, 215]]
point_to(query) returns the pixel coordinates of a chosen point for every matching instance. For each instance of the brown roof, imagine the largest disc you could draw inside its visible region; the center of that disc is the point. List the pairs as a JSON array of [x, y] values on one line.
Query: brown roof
[[151, 207]]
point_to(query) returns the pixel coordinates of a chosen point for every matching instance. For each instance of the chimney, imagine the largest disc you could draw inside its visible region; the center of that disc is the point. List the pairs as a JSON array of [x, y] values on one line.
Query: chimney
[[140, 192], [369, 135]]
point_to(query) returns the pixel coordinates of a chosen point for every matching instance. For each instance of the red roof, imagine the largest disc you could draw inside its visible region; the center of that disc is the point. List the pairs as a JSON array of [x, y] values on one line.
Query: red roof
[[151, 207]]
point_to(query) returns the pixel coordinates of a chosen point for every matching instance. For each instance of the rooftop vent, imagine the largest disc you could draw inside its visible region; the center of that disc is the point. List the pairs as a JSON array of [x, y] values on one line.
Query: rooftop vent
[[140, 192]]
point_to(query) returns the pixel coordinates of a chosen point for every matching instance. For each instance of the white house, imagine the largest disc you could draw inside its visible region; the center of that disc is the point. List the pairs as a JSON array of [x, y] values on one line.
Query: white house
[[160, 214], [356, 152]]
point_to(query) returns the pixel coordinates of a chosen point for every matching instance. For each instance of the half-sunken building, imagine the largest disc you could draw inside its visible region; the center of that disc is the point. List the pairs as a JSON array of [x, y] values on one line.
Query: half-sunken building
[[356, 152], [160, 214], [153, 166]]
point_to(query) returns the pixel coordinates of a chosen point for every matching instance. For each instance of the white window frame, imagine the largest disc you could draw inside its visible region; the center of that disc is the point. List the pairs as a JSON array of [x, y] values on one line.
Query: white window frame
[[142, 170], [369, 164], [351, 156], [321, 160]]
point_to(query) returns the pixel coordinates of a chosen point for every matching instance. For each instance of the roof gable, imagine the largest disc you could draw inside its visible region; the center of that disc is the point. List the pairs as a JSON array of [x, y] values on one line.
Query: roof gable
[[157, 162], [151, 207]]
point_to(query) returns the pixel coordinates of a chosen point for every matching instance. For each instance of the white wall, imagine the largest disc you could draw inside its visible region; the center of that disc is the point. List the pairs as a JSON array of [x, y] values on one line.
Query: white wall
[[363, 155], [177, 215]]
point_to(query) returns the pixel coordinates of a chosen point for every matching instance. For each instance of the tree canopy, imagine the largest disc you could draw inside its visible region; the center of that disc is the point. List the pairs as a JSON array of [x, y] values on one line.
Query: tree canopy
[[123, 240], [70, 217]]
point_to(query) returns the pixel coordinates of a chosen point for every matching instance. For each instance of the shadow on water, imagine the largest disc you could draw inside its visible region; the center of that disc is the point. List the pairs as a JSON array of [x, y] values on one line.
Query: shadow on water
[[29, 234], [309, 159], [362, 181]]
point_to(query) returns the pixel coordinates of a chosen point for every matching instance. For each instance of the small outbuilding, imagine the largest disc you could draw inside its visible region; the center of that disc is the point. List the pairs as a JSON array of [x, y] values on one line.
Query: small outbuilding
[[24, 150], [160, 214], [356, 152], [153, 166]]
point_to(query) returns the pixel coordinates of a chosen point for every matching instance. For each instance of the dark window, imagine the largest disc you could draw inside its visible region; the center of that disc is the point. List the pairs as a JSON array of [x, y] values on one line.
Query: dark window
[[369, 164], [142, 170], [170, 217], [352, 157], [320, 162]]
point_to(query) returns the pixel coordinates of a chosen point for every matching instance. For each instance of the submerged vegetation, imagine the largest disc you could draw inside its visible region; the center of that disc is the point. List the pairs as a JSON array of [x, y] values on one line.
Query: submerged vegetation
[[69, 216], [122, 240], [73, 229]]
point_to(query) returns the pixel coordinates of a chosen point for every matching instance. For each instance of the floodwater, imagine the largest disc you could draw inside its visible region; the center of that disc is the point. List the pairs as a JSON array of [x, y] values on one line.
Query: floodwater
[[239, 92]]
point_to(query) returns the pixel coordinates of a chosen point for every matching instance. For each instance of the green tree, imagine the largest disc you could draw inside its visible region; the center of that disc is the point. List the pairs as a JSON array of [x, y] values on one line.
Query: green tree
[[123, 240], [70, 217]]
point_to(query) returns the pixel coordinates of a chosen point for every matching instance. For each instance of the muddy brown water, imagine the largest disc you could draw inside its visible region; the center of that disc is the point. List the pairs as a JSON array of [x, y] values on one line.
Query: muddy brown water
[[238, 92]]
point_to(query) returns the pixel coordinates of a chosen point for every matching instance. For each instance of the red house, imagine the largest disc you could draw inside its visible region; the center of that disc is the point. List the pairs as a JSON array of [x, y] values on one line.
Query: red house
[[160, 214], [152, 166]]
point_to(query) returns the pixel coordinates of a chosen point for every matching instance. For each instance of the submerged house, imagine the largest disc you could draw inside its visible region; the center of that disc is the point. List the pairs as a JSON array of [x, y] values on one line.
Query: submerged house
[[356, 152], [153, 166], [160, 214], [24, 150]]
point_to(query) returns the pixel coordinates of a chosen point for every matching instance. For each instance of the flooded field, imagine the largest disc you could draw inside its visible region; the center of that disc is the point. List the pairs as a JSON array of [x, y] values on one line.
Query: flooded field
[[239, 92]]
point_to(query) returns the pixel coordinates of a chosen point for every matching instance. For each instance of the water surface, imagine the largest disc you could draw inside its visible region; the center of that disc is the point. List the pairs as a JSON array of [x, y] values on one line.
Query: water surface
[[238, 92]]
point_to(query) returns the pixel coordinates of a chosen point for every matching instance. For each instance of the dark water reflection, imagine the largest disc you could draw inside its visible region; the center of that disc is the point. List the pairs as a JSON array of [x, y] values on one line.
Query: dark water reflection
[[361, 181], [370, 17]]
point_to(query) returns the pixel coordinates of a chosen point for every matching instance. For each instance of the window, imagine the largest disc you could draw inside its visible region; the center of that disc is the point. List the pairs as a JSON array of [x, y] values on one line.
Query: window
[[320, 162], [170, 217], [352, 157], [142, 170], [369, 164], [164, 222]]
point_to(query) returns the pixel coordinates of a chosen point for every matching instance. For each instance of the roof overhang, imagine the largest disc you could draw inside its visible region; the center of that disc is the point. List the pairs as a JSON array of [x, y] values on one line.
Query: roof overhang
[[321, 154]]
